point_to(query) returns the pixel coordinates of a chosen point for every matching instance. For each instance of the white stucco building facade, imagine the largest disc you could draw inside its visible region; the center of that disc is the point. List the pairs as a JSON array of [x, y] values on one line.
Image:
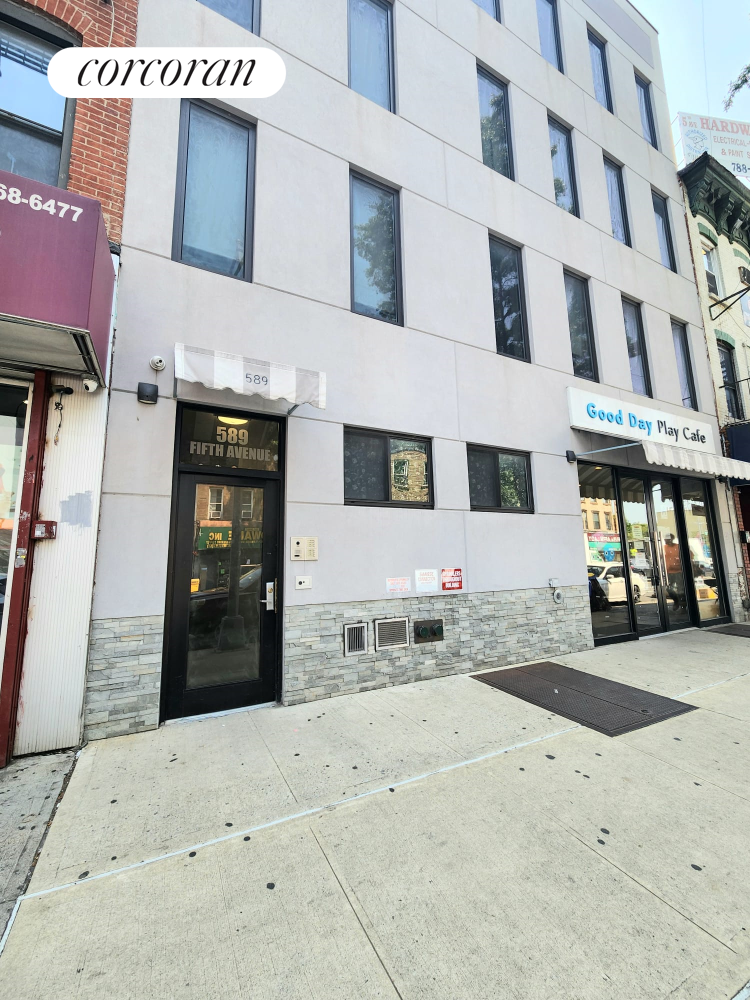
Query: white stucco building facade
[[426, 377]]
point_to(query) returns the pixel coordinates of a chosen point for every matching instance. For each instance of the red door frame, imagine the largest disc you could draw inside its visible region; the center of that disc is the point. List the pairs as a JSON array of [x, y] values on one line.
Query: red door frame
[[17, 610]]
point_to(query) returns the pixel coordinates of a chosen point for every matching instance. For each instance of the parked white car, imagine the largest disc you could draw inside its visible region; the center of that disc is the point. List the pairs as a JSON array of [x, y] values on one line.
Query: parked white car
[[611, 578]]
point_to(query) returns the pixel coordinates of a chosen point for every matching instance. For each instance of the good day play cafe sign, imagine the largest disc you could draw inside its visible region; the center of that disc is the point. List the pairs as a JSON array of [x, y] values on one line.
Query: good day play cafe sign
[[605, 415]]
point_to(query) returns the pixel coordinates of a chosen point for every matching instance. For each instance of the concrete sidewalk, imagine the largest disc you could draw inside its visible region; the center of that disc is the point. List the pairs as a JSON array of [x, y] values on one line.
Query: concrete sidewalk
[[439, 840]]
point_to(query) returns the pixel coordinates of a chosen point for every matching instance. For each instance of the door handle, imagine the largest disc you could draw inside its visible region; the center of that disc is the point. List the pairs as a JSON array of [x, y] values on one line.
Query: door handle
[[270, 598]]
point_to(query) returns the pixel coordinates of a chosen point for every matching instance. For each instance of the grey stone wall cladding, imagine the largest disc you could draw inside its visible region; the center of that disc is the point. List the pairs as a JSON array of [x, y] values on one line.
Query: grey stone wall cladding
[[481, 630], [124, 676]]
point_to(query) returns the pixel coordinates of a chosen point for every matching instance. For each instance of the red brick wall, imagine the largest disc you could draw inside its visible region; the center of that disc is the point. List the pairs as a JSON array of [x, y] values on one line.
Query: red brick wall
[[99, 153]]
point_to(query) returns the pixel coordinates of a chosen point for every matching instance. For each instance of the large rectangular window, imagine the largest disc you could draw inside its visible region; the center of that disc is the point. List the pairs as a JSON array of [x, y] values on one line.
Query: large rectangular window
[[491, 6], [371, 51], [616, 194], [639, 373], [581, 331], [32, 115], [684, 367], [598, 52], [549, 32], [661, 215], [214, 207], [561, 150], [648, 126], [384, 468], [729, 378], [376, 256], [499, 480], [493, 121], [507, 297], [246, 13]]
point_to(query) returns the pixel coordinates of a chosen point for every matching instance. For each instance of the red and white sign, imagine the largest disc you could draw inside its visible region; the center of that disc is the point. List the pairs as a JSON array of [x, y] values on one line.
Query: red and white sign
[[452, 579]]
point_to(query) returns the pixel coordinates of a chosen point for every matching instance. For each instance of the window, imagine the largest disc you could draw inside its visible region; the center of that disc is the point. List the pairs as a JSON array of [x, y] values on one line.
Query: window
[[729, 378], [371, 51], [684, 368], [562, 167], [647, 115], [661, 214], [493, 122], [507, 297], [579, 322], [598, 52], [491, 6], [214, 209], [499, 480], [584, 515], [616, 194], [376, 254], [549, 32], [608, 521], [597, 520], [386, 469], [745, 306], [636, 348], [215, 502], [246, 505], [246, 13], [35, 122], [711, 264]]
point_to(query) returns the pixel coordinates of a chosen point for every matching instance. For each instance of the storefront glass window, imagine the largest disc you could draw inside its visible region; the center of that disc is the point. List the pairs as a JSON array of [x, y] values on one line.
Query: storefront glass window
[[669, 553], [644, 576], [608, 596], [13, 407], [702, 555]]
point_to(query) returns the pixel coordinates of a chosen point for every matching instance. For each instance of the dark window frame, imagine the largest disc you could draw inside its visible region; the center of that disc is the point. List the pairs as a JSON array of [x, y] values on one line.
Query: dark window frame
[[642, 345], [399, 321], [494, 79], [733, 386], [388, 436], [621, 193], [551, 120], [643, 84], [255, 29], [685, 340], [522, 298], [664, 203], [529, 479], [601, 45], [387, 5], [590, 321], [179, 207], [496, 15], [32, 22], [560, 65]]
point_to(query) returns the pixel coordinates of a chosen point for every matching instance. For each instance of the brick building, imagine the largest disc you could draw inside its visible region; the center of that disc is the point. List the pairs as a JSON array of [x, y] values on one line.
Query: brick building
[[62, 189]]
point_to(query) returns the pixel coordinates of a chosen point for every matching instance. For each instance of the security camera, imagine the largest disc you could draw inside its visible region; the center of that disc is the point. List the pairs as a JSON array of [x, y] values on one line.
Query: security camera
[[157, 363], [90, 384]]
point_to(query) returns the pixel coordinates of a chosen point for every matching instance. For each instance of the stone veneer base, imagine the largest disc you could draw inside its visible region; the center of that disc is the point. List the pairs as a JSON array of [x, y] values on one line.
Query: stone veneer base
[[481, 630]]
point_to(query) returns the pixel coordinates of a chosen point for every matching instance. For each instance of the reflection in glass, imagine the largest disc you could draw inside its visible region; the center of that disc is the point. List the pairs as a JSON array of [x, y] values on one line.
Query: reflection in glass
[[701, 549], [224, 618], [599, 71], [549, 36], [505, 264], [608, 598], [579, 322], [364, 466], [562, 167], [213, 234], [616, 195], [643, 572], [661, 215], [374, 251], [684, 368], [499, 480], [228, 442], [729, 376], [647, 115], [636, 348], [409, 481], [668, 554], [239, 11], [370, 50], [491, 6], [493, 120]]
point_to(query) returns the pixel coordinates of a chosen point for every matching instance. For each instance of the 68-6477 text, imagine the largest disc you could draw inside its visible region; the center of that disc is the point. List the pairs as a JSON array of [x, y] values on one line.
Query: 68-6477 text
[[35, 202]]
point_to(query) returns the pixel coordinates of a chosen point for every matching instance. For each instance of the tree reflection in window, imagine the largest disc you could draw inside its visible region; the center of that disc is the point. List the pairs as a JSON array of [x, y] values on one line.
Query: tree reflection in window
[[374, 258]]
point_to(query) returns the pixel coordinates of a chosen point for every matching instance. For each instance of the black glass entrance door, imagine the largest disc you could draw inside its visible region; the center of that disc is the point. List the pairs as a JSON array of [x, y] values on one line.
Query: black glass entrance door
[[642, 558], [223, 635], [673, 592]]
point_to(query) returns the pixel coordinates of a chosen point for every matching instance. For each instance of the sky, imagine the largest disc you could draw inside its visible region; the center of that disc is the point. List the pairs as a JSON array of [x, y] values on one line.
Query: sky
[[694, 34]]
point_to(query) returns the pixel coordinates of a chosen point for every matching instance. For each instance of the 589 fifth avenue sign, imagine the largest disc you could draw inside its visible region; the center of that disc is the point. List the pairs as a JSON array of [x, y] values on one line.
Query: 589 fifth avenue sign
[[604, 415], [166, 72]]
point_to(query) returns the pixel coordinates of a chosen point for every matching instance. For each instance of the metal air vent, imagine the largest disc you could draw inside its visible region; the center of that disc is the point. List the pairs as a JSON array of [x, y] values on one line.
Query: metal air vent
[[355, 638], [390, 633]]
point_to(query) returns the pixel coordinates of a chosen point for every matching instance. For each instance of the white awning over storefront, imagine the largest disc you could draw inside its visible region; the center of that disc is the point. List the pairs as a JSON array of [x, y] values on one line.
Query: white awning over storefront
[[695, 461], [249, 377]]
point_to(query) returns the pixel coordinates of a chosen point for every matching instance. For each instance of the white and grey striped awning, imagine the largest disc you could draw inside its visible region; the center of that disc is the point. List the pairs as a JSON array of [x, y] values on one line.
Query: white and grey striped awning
[[695, 461], [217, 370]]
